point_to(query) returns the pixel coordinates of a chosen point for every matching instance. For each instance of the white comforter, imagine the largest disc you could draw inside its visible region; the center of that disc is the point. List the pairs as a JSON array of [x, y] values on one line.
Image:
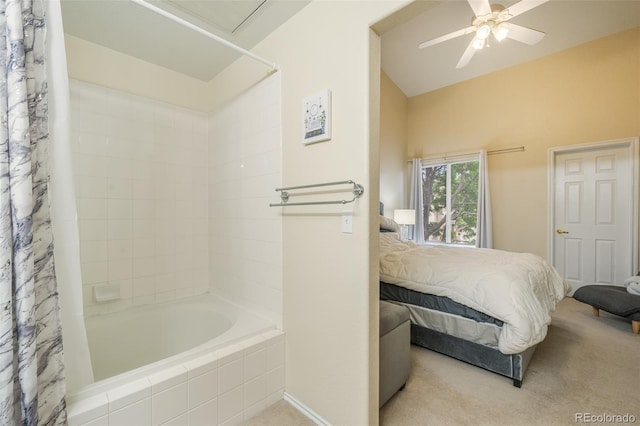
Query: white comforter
[[520, 289]]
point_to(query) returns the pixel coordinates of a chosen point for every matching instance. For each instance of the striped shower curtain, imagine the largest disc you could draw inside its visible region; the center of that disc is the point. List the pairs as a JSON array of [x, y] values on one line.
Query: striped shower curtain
[[31, 360]]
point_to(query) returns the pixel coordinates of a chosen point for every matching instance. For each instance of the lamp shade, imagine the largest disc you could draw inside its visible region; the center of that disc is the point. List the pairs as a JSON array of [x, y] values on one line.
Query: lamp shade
[[405, 216]]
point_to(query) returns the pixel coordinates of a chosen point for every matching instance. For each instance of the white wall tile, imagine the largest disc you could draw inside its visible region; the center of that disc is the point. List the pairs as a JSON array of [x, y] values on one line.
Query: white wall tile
[[274, 380], [88, 409], [94, 272], [255, 391], [168, 404], [92, 230], [120, 209], [120, 269], [274, 397], [134, 162], [254, 409], [90, 142], [144, 247], [181, 420], [143, 228], [125, 286], [230, 375], [275, 354], [100, 421], [165, 296], [127, 394], [201, 365], [94, 251], [188, 393], [235, 420], [203, 388], [120, 249], [119, 167], [144, 300], [144, 286], [119, 188], [244, 168], [255, 364], [168, 378], [144, 267], [92, 187], [230, 404], [142, 184], [119, 229], [92, 208], [205, 414], [89, 165], [136, 414]]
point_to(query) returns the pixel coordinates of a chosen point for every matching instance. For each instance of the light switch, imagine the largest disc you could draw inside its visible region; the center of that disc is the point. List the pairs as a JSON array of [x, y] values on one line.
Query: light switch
[[347, 222]]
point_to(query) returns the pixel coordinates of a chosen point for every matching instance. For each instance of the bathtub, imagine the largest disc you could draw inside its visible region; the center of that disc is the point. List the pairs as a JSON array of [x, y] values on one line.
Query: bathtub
[[196, 361]]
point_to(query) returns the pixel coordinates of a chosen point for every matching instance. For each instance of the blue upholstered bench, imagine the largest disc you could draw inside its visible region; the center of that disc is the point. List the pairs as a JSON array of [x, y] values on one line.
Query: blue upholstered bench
[[395, 344], [613, 299]]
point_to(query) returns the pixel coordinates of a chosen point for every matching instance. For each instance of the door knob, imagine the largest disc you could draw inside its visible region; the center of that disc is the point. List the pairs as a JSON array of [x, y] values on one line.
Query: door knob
[[561, 231]]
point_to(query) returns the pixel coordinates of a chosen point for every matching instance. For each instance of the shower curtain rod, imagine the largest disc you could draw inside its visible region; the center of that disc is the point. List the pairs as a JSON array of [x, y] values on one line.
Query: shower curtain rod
[[212, 36]]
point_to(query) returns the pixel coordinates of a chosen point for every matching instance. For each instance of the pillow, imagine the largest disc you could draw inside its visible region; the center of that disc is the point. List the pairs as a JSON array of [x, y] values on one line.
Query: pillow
[[388, 225]]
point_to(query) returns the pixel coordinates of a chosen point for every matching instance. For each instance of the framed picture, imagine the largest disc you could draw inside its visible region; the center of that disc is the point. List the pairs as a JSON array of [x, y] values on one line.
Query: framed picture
[[316, 111]]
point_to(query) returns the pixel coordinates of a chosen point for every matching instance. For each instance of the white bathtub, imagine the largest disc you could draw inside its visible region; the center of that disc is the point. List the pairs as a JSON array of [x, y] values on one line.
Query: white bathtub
[[196, 361]]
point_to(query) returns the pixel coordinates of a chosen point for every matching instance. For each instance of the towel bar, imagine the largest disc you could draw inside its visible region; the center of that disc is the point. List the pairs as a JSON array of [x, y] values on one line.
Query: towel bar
[[357, 190]]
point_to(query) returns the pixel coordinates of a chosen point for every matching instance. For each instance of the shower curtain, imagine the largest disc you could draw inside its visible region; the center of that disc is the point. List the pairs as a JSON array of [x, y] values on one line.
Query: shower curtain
[[64, 217], [32, 386]]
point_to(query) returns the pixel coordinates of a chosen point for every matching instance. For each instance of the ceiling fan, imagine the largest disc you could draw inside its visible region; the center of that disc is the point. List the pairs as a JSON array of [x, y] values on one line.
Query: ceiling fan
[[492, 19]]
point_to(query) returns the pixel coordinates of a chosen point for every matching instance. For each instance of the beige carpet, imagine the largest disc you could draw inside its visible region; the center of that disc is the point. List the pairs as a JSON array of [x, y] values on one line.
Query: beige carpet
[[585, 365]]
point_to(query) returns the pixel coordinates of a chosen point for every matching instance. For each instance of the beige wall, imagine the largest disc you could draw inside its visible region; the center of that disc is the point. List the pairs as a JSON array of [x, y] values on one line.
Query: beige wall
[[585, 94], [393, 146], [95, 64], [330, 278]]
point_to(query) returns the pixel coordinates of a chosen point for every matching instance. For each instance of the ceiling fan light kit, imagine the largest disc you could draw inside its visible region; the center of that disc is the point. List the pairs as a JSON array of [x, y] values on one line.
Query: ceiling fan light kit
[[500, 31], [492, 19], [483, 31], [478, 43]]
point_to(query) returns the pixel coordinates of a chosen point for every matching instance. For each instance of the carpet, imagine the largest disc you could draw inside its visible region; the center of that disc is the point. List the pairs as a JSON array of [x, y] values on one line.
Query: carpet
[[587, 370]]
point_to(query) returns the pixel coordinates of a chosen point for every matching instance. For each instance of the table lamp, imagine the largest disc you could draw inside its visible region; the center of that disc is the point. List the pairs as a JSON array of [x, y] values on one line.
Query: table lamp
[[404, 218]]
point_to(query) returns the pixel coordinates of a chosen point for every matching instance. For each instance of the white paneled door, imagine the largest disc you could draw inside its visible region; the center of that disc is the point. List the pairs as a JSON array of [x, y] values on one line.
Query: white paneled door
[[593, 215]]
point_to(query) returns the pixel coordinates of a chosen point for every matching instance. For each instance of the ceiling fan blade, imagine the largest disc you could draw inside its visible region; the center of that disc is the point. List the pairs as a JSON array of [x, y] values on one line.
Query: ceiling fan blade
[[523, 34], [521, 7], [467, 55], [446, 37], [480, 7]]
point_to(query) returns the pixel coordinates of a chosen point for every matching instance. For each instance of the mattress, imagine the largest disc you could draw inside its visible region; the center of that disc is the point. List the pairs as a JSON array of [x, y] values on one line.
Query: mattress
[[520, 289], [445, 315]]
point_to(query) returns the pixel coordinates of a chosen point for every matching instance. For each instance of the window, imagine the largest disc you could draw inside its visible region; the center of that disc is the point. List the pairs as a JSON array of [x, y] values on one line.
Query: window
[[450, 197]]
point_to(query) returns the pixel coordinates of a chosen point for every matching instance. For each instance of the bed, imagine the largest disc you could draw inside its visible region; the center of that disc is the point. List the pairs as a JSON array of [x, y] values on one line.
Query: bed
[[487, 307]]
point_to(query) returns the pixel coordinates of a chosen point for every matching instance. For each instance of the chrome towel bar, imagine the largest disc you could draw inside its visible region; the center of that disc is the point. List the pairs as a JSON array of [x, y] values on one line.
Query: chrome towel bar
[[357, 190]]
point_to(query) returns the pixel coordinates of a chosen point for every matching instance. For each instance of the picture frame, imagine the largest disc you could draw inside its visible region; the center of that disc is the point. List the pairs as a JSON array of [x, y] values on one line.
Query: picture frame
[[316, 113]]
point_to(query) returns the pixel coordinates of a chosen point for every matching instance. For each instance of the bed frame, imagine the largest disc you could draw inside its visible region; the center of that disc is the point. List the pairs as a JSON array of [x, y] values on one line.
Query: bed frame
[[511, 366]]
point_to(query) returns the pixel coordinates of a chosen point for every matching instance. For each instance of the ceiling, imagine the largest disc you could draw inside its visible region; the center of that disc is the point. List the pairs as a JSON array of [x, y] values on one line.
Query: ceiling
[[566, 24], [131, 29]]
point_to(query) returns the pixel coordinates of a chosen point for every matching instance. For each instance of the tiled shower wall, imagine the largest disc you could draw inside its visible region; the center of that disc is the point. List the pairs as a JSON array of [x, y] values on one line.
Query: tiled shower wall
[[245, 233], [141, 174]]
